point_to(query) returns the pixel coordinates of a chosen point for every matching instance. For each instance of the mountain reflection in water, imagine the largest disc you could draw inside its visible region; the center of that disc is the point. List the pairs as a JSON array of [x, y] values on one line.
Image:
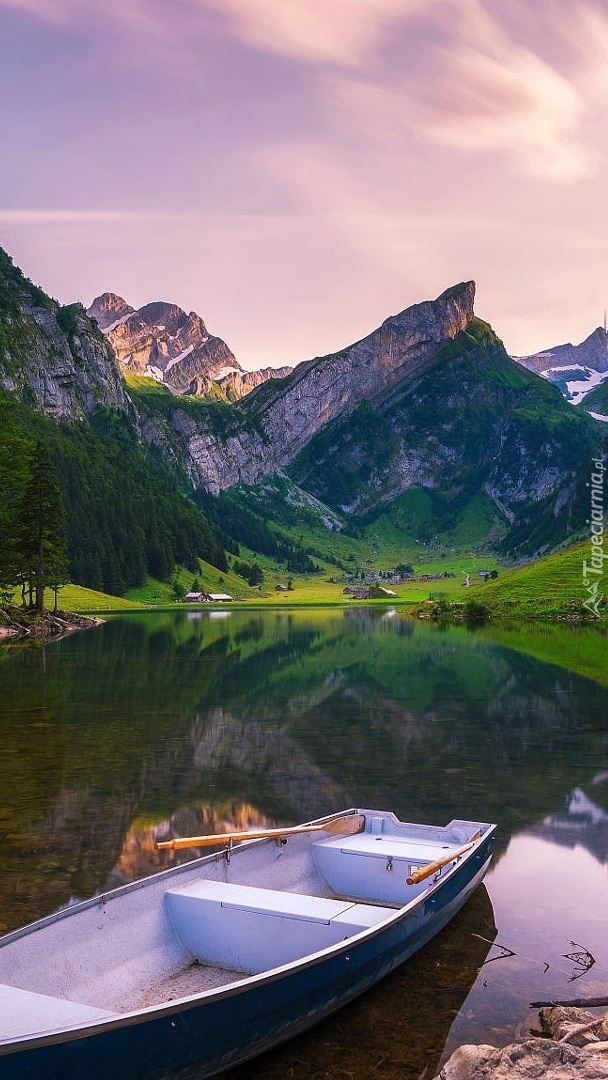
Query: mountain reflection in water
[[163, 722]]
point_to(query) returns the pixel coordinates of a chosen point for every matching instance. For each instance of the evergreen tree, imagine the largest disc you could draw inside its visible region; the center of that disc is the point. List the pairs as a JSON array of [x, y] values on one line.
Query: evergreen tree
[[39, 527], [13, 453]]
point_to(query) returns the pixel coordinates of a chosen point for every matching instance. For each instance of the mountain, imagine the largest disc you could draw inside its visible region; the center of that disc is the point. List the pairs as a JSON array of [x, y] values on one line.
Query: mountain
[[428, 402], [267, 429], [575, 369], [163, 342], [470, 425], [238, 384], [425, 421]]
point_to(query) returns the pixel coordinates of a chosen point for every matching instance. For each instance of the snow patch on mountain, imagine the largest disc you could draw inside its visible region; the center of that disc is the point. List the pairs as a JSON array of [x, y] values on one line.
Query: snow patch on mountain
[[176, 359], [574, 381]]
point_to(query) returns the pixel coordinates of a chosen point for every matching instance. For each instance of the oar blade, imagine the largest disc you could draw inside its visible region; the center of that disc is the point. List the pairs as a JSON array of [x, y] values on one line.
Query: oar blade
[[345, 826]]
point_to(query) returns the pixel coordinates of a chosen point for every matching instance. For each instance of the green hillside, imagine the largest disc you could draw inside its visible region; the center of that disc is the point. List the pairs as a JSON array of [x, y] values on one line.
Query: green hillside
[[545, 588]]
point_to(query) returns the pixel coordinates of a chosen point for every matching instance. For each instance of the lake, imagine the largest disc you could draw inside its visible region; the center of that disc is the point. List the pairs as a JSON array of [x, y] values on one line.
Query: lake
[[198, 719]]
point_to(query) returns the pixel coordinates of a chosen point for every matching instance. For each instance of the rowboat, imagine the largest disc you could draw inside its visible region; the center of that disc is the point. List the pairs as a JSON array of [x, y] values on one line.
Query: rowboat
[[214, 961]]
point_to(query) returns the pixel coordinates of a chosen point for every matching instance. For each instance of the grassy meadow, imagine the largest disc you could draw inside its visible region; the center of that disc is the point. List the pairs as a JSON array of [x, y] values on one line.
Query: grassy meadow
[[77, 598], [549, 587], [325, 587]]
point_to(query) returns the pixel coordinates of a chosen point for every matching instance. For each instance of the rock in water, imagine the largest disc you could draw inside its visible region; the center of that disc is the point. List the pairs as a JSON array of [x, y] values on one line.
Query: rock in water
[[529, 1060]]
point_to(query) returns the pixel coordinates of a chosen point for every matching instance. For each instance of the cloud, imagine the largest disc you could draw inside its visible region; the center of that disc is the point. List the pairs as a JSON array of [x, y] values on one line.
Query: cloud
[[43, 216], [140, 19], [589, 46], [512, 102], [479, 78], [493, 89], [475, 87], [321, 31]]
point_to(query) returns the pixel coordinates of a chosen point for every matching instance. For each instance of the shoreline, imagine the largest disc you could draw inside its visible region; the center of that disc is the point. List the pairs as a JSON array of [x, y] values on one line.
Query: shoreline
[[572, 1044], [48, 626]]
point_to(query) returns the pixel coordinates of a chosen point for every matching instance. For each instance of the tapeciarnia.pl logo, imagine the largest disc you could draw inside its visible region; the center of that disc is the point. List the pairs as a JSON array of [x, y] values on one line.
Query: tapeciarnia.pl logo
[[593, 571]]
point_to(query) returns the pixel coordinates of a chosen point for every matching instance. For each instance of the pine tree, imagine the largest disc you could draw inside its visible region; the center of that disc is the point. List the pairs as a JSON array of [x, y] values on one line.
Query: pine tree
[[39, 527], [13, 455]]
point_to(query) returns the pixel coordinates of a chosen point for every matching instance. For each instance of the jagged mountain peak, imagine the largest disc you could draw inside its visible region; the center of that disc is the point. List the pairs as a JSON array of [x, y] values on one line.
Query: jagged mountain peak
[[109, 310], [160, 340], [291, 412], [598, 337], [453, 307], [161, 315], [465, 289]]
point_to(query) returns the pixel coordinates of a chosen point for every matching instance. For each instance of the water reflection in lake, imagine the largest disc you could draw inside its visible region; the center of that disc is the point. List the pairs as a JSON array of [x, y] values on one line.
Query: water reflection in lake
[[168, 722]]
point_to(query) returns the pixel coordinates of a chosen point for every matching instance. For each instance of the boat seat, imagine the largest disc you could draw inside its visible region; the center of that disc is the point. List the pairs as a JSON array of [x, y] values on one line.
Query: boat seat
[[23, 1012], [374, 866], [252, 929]]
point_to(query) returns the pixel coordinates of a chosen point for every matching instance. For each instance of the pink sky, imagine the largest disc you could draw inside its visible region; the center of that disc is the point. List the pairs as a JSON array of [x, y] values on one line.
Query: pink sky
[[298, 170]]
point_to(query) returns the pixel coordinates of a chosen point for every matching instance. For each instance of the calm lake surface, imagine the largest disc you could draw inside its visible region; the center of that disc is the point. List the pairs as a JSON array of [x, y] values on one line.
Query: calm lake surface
[[273, 718]]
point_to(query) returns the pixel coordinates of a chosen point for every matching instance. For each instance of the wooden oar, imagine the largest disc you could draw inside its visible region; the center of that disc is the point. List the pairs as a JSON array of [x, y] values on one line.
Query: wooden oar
[[431, 868], [351, 823]]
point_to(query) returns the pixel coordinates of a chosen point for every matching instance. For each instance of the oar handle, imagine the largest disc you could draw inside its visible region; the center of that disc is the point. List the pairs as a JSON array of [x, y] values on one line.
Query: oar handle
[[431, 868]]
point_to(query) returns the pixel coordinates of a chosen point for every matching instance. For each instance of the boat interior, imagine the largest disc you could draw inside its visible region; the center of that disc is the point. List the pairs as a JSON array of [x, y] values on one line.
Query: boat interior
[[217, 920]]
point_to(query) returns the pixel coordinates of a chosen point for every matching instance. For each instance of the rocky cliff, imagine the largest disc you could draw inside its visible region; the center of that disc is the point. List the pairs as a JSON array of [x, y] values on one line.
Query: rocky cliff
[[331, 386], [53, 357], [278, 419], [430, 401], [471, 426]]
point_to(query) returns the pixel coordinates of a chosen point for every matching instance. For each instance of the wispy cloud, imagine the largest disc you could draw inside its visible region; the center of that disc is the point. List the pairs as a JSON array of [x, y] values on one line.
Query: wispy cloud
[[481, 83], [584, 35], [478, 88], [326, 31], [483, 79], [342, 32], [41, 216], [143, 23], [509, 102]]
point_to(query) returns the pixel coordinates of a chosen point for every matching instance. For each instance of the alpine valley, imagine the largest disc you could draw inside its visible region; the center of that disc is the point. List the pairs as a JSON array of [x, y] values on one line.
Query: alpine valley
[[167, 451]]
